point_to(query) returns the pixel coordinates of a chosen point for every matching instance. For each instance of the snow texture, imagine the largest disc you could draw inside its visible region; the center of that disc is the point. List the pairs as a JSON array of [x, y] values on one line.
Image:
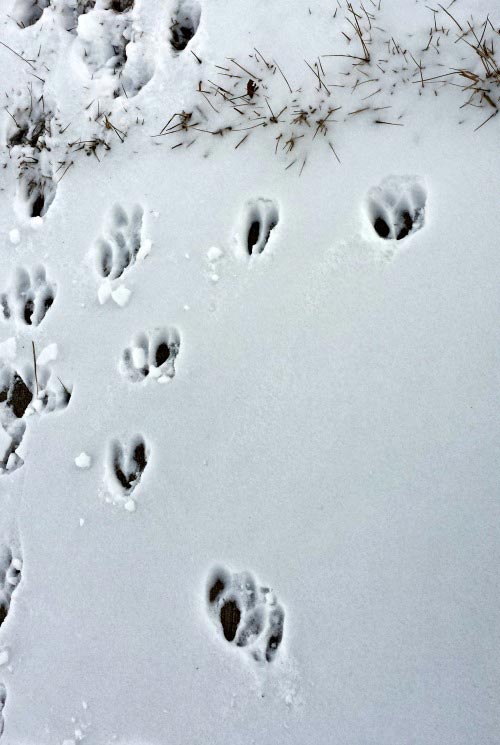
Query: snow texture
[[249, 357]]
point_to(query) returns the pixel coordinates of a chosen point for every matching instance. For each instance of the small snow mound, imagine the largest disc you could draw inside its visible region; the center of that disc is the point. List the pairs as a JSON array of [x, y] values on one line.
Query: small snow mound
[[83, 460], [14, 236]]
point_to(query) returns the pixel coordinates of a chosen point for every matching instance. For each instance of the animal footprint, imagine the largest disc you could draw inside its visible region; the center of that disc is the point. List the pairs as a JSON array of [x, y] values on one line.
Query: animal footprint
[[22, 393], [260, 217], [118, 247], [30, 297], [28, 12], [185, 24], [10, 576], [396, 208], [28, 139], [125, 466], [151, 355], [245, 614]]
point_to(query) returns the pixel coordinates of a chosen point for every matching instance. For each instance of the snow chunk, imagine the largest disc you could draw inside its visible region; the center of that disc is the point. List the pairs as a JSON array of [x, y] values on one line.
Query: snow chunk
[[15, 236], [214, 254], [121, 296], [4, 656], [138, 358], [12, 462], [83, 460], [104, 292], [36, 222], [48, 354], [130, 505]]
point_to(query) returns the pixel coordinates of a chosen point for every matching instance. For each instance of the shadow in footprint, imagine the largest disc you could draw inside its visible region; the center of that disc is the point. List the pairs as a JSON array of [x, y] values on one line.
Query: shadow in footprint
[[184, 24]]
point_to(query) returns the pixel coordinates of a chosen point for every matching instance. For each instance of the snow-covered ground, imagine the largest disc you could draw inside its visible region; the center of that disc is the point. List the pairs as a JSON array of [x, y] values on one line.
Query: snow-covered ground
[[249, 362]]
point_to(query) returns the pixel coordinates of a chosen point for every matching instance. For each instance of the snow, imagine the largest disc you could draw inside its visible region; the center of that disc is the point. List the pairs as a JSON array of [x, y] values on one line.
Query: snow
[[14, 236], [121, 296], [83, 460], [315, 474]]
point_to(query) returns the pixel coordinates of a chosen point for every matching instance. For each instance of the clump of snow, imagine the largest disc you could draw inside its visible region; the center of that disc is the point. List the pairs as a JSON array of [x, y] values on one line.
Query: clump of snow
[[121, 295], [14, 236], [83, 460]]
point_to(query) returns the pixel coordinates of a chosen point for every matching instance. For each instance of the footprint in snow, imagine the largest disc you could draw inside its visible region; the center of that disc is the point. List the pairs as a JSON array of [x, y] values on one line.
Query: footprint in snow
[[125, 467], [29, 298], [151, 355], [245, 614], [260, 217], [119, 245], [396, 208]]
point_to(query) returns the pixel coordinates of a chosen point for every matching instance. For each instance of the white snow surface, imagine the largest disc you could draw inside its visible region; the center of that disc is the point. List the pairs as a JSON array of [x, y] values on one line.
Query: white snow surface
[[327, 447]]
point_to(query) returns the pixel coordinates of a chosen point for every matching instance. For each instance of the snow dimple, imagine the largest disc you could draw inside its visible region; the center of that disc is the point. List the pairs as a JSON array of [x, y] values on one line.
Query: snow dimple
[[10, 576], [245, 613], [396, 208], [259, 219], [185, 22], [30, 297], [151, 355], [120, 242], [126, 466]]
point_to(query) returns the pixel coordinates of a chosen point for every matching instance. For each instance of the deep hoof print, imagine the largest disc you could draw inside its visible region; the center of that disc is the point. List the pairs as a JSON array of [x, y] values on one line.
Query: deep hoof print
[[260, 218], [125, 467], [396, 208], [120, 243], [151, 356], [30, 297], [11, 566], [246, 614], [184, 24], [28, 12]]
